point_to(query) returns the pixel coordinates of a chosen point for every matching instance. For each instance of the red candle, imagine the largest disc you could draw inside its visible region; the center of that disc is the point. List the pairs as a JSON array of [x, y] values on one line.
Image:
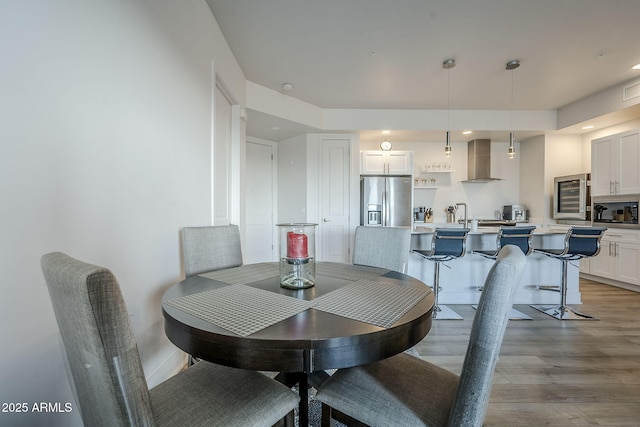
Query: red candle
[[297, 245]]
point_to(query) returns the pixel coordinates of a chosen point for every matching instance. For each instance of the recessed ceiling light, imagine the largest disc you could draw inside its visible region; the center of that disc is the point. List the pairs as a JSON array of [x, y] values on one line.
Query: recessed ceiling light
[[386, 132], [467, 132], [636, 67], [287, 87], [587, 127]]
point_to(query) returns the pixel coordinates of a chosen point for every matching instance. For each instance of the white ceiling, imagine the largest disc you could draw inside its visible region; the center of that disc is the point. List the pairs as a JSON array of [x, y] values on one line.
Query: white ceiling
[[388, 54]]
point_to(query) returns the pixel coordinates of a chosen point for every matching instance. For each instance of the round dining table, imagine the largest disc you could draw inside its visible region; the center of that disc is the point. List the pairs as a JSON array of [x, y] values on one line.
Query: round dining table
[[241, 317]]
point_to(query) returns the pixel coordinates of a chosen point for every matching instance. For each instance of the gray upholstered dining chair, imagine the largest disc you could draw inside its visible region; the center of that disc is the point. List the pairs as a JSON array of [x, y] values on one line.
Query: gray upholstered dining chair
[[404, 390], [384, 247], [106, 373], [210, 248]]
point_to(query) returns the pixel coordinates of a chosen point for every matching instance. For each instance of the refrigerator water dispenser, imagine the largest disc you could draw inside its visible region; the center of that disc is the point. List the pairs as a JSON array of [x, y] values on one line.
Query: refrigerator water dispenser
[[375, 215]]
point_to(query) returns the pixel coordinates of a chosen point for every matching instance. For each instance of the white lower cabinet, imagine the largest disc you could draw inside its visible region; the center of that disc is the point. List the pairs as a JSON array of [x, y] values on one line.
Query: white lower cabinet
[[619, 257]]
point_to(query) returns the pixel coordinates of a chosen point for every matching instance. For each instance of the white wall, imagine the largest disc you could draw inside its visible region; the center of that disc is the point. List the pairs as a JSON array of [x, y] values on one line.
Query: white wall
[[544, 158], [598, 104], [292, 180], [612, 130], [563, 155], [482, 199], [532, 179], [104, 154]]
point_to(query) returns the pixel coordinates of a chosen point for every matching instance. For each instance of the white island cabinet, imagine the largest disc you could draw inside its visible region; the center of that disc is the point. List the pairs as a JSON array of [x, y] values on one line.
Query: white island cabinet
[[460, 282]]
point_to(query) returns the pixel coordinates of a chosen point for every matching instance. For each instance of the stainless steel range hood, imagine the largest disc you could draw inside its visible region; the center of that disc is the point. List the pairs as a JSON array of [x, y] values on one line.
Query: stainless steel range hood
[[479, 161]]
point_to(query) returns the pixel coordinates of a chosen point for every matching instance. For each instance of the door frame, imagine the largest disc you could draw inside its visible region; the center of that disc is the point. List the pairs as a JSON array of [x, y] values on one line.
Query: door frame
[[235, 152]]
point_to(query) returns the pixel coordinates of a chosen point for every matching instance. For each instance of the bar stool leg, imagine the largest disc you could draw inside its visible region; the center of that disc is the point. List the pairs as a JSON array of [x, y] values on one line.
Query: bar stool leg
[[562, 311], [436, 286], [514, 314], [441, 311]]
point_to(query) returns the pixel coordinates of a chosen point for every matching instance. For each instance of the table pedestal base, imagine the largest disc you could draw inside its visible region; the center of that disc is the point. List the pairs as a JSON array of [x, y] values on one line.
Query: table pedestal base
[[303, 381]]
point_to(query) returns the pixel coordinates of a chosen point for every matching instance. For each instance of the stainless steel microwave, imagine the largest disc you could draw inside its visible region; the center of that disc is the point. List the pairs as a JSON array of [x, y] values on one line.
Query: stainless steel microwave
[[572, 197]]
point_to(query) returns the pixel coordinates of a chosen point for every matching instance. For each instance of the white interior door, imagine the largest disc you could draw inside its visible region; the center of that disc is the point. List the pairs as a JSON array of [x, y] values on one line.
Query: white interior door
[[334, 206], [260, 229]]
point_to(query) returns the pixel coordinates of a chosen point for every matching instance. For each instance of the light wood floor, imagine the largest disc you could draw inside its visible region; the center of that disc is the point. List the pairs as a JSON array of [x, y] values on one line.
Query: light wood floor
[[558, 373]]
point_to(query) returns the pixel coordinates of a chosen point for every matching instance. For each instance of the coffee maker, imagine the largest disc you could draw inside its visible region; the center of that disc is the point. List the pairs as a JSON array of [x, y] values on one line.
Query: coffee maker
[[516, 213]]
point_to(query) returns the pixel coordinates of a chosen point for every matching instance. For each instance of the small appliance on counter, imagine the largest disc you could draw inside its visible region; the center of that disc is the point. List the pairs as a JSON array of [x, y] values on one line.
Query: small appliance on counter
[[599, 210], [516, 213]]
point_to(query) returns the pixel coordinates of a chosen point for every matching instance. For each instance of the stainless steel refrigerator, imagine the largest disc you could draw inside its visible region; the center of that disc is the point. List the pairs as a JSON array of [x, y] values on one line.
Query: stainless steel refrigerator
[[385, 201]]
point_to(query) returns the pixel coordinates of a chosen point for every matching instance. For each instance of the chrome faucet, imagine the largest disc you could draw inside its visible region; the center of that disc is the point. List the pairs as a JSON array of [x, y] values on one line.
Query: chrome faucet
[[466, 219]]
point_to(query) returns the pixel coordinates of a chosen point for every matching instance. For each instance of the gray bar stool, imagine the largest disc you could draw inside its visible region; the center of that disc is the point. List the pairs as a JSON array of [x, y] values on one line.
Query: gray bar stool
[[579, 242], [447, 244], [518, 236]]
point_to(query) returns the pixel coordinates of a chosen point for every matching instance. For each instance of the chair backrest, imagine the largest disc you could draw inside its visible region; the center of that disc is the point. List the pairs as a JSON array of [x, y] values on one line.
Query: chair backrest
[[106, 371], [384, 247], [450, 241], [518, 236], [584, 241], [210, 248], [487, 332]]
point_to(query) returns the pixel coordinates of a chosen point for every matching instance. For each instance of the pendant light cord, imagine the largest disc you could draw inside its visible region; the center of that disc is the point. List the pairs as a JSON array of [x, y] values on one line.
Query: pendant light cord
[[448, 100], [511, 100]]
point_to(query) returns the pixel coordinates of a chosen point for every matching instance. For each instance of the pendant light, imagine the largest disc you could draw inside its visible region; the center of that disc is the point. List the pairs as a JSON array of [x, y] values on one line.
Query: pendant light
[[512, 65], [448, 64]]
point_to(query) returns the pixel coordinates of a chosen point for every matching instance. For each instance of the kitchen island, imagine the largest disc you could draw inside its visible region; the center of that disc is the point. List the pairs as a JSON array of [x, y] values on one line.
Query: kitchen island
[[460, 282]]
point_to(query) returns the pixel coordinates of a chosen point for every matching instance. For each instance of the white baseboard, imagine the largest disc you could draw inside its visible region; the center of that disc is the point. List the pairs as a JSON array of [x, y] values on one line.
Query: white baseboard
[[611, 282]]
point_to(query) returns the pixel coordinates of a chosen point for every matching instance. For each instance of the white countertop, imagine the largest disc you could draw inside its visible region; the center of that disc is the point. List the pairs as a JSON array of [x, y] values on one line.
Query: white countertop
[[424, 229]]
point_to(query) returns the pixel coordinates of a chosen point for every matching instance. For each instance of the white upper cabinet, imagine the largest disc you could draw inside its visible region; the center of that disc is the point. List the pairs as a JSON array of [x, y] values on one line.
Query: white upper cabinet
[[386, 163], [614, 164]]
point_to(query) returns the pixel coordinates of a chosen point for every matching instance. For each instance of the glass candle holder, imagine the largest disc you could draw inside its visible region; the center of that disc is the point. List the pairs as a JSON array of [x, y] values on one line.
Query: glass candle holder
[[297, 255]]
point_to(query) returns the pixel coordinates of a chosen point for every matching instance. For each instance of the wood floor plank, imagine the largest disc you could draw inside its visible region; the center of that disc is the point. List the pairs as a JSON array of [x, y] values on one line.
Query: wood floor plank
[[538, 414], [607, 414], [558, 373]]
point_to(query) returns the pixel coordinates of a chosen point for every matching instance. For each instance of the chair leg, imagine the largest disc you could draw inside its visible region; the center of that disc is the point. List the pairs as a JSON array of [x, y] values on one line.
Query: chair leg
[[192, 361], [326, 416], [562, 311], [290, 419]]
